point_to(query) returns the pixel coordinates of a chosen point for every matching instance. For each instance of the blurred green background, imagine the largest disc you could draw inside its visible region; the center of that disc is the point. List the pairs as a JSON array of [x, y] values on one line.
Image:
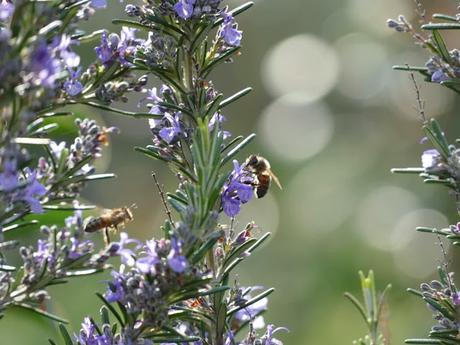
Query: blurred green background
[[333, 119]]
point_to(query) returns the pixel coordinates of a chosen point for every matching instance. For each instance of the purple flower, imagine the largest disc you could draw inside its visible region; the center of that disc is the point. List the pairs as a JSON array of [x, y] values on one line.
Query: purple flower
[[62, 45], [33, 191], [44, 67], [238, 191], [114, 47], [56, 149], [168, 134], [88, 335], [115, 292], [218, 119], [184, 8], [105, 51], [146, 264], [229, 30], [73, 86], [455, 228], [430, 158], [439, 76], [9, 176], [456, 298], [126, 254], [252, 312], [6, 10], [176, 261], [268, 339]]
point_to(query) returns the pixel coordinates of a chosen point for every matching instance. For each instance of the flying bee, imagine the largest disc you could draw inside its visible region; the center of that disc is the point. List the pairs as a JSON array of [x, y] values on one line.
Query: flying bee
[[260, 168], [103, 137], [110, 219]]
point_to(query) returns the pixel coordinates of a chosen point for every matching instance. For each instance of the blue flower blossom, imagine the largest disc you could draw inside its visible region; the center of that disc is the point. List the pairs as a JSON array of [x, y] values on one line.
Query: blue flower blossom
[[9, 176], [169, 133], [127, 255], [268, 339], [184, 8], [229, 30], [116, 48], [62, 46], [237, 191], [6, 10], [146, 264], [73, 86], [44, 66], [115, 291], [430, 158], [439, 76], [176, 260]]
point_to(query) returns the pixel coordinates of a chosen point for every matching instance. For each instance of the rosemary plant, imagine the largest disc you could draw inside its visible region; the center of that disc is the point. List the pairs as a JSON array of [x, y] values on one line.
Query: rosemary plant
[[176, 289], [440, 166]]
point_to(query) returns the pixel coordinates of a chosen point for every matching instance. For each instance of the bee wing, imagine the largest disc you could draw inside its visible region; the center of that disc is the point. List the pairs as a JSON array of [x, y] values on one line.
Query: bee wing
[[275, 179]]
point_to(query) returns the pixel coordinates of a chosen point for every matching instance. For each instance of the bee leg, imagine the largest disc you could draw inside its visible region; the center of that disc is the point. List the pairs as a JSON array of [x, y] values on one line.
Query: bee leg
[[106, 236]]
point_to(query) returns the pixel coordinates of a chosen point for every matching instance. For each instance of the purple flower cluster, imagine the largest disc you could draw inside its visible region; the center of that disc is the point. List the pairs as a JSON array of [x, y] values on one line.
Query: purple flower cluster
[[441, 71], [16, 185], [89, 142], [187, 9], [89, 335], [6, 10], [118, 48], [252, 339], [156, 272], [252, 312], [59, 249], [238, 190]]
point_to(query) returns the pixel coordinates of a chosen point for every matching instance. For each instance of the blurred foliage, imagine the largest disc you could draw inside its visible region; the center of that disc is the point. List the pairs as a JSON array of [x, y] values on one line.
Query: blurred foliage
[[340, 211]]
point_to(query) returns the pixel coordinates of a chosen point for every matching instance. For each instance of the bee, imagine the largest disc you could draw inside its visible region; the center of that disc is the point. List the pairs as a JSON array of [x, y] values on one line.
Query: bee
[[260, 168], [103, 137], [110, 219]]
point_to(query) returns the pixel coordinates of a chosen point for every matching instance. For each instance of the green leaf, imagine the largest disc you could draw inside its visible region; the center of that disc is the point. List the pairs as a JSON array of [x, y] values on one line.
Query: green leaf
[[436, 136], [85, 272], [407, 171], [410, 68], [441, 26], [422, 341], [20, 225], [235, 97], [123, 112], [111, 308], [219, 59], [41, 312], [150, 153], [68, 207], [445, 17], [176, 340], [251, 301], [441, 45], [357, 304], [206, 246], [236, 11], [7, 268], [238, 148], [65, 334]]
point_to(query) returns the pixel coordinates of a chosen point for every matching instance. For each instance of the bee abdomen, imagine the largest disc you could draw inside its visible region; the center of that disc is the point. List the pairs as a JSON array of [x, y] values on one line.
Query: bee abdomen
[[94, 225], [263, 185]]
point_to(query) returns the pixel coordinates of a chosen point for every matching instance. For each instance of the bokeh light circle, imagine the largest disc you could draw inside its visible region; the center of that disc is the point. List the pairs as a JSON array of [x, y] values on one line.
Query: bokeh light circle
[[364, 72], [294, 129], [304, 65], [416, 254], [379, 212]]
